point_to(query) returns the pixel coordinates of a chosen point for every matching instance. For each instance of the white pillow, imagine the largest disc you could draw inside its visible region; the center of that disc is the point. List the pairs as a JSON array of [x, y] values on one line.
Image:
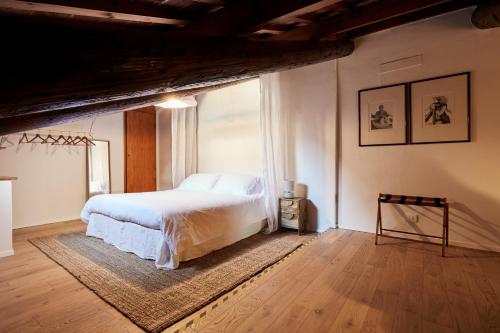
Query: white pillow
[[238, 185], [199, 182]]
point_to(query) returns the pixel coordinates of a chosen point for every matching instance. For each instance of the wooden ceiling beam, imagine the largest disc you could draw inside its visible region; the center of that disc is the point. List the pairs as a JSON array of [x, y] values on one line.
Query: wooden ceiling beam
[[334, 9], [245, 15], [487, 15], [127, 11], [27, 122], [363, 16], [47, 68], [211, 2], [403, 19]]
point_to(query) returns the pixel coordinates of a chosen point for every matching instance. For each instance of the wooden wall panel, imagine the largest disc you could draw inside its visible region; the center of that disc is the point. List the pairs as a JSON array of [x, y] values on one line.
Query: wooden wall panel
[[140, 150]]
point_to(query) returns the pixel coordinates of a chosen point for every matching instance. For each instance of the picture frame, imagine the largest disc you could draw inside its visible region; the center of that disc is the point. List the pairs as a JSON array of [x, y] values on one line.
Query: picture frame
[[382, 115], [440, 109]]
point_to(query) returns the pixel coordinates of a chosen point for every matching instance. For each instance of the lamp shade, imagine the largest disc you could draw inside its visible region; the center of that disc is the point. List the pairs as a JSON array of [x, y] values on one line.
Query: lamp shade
[[178, 103]]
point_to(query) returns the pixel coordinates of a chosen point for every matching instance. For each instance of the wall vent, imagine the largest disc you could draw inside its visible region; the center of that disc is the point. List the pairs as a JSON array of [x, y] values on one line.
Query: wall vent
[[402, 63]]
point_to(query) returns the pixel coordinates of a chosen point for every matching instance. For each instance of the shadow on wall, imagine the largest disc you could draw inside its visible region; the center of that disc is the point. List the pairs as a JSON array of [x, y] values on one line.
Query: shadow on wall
[[465, 221], [11, 142], [301, 190], [312, 216]]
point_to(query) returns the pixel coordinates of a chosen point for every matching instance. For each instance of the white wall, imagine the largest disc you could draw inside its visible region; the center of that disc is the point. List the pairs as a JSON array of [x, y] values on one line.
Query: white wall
[[229, 134], [310, 95], [51, 185], [229, 130], [468, 174], [6, 218]]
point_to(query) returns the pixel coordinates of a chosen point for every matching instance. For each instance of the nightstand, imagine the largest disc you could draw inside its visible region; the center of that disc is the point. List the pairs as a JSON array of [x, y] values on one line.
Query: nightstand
[[292, 213]]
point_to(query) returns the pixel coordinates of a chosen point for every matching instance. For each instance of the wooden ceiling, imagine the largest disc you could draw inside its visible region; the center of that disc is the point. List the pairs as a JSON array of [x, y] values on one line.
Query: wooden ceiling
[[262, 19], [68, 59]]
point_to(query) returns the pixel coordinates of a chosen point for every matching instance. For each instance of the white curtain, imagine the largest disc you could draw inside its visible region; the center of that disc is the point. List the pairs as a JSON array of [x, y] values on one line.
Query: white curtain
[[273, 130], [184, 144]]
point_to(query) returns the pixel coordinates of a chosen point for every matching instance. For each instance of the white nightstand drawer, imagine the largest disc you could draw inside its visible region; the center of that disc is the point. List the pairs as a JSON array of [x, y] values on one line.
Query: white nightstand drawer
[[289, 210], [289, 203], [289, 215], [290, 223]]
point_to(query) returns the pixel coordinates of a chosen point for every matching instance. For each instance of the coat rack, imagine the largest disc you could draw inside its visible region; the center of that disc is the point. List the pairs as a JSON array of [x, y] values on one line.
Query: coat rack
[[5, 140], [72, 139]]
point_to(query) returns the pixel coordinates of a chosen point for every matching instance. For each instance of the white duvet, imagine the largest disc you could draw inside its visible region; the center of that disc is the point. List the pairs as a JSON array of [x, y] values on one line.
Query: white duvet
[[185, 218]]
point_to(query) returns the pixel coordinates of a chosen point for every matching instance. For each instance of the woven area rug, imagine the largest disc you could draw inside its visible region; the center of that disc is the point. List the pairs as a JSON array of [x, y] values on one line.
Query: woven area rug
[[155, 299]]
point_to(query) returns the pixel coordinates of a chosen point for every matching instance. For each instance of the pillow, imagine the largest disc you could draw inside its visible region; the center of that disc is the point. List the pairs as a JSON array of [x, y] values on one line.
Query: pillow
[[199, 182], [238, 185]]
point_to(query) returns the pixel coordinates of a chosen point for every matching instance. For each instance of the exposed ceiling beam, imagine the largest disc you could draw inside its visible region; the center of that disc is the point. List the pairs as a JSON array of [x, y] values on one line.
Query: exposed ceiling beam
[[128, 11], [211, 2], [47, 69], [403, 19], [307, 15], [244, 15], [363, 16], [16, 124], [487, 15]]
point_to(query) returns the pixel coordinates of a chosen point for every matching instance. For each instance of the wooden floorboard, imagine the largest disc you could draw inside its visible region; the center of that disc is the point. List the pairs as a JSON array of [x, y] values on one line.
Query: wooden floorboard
[[340, 282]]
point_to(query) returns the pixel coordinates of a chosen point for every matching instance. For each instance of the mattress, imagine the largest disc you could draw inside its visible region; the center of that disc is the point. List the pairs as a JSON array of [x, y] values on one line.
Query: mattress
[[189, 223]]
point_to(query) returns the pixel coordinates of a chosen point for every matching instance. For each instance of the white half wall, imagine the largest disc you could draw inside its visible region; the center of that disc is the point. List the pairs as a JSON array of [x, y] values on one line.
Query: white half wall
[[229, 130], [6, 218], [51, 185], [468, 174]]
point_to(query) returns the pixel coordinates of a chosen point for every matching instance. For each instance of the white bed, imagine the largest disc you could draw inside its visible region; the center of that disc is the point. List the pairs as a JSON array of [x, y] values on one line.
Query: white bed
[[207, 212]]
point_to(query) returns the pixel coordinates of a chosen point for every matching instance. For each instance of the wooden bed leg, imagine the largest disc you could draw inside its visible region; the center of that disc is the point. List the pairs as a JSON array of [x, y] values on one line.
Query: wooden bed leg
[[379, 223]]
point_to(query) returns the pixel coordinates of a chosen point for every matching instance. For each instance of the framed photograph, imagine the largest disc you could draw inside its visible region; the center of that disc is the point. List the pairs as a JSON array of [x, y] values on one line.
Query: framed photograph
[[440, 109], [382, 116]]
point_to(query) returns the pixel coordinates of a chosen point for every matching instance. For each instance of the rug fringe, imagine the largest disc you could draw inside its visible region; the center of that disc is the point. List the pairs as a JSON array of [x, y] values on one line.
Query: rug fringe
[[232, 296]]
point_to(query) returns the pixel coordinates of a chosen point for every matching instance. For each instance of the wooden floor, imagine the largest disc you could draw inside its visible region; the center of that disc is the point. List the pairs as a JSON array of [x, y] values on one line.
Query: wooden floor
[[340, 282]]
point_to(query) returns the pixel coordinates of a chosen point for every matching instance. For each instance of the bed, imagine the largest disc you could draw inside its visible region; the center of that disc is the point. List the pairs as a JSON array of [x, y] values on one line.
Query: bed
[[205, 213]]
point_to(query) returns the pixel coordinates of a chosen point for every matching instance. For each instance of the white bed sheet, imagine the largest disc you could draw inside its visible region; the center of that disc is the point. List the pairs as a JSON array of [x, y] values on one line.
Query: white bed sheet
[[148, 243], [186, 219]]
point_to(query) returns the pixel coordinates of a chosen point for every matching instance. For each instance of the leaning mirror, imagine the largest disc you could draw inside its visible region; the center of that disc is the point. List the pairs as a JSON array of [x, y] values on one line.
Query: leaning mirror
[[98, 168]]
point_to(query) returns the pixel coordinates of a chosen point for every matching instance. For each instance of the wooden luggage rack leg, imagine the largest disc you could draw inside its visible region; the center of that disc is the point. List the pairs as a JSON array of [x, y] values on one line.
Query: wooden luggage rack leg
[[378, 230]]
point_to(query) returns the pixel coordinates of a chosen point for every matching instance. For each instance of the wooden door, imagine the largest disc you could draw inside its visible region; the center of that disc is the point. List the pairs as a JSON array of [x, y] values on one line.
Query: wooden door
[[140, 150]]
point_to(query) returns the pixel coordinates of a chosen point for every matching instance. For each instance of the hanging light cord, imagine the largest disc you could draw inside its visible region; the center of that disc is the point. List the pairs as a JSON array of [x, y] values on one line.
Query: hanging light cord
[[91, 126]]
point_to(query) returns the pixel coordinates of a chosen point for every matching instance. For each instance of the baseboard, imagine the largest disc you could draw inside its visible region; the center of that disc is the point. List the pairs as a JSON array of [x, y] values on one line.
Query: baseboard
[[356, 228], [6, 253], [469, 245], [45, 223]]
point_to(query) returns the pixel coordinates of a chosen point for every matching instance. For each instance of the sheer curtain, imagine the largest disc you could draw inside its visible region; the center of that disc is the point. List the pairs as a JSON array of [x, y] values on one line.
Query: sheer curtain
[[184, 143], [273, 121]]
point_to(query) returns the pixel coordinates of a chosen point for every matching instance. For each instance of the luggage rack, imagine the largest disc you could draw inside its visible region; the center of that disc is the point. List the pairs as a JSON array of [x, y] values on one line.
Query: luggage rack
[[416, 201]]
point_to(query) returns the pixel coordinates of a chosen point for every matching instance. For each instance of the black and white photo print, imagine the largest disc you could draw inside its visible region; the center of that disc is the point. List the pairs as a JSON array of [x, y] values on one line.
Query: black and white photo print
[[437, 110], [440, 109], [382, 115], [380, 118]]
